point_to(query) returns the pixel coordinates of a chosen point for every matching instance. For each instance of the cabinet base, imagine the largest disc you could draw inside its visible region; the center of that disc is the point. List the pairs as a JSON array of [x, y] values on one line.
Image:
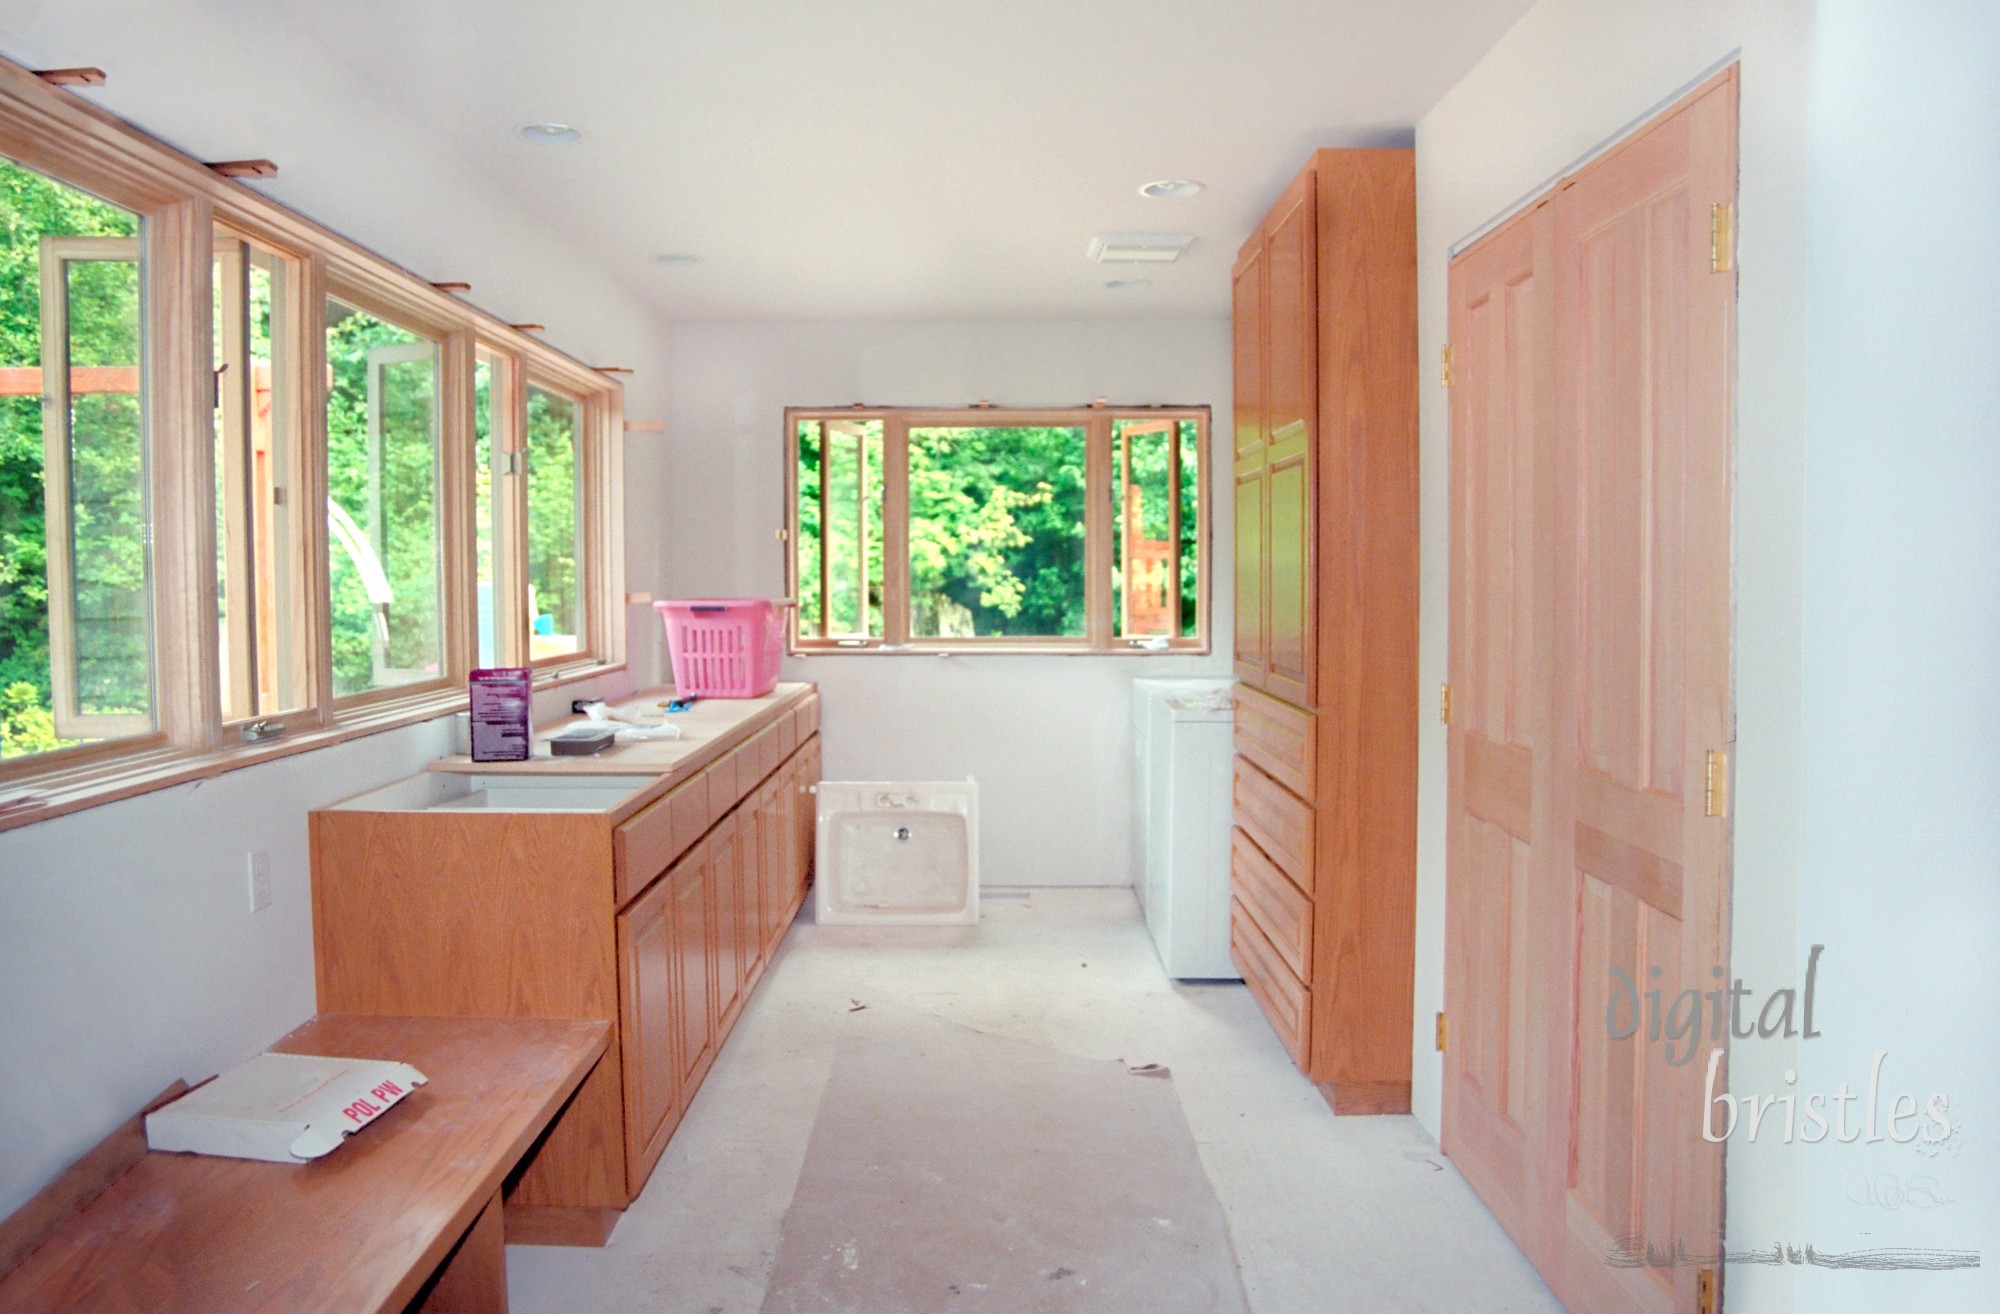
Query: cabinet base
[[1347, 1098], [560, 1225]]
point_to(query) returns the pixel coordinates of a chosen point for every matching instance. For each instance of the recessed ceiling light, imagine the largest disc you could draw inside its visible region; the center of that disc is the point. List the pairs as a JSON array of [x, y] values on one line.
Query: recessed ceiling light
[[676, 258], [1172, 189], [551, 134], [1128, 284]]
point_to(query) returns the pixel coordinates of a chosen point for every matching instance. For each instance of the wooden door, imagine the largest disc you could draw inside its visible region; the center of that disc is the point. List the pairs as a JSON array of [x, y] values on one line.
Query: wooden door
[[1591, 418], [1498, 1091], [1251, 433], [691, 884], [1644, 327], [1291, 412], [647, 1030]]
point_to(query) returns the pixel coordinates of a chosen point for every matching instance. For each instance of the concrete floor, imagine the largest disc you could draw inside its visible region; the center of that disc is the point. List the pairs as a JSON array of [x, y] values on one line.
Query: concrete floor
[[1326, 1215]]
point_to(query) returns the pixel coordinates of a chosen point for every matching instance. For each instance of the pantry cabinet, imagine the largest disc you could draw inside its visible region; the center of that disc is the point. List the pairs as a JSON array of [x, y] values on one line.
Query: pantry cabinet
[[1323, 863], [658, 913]]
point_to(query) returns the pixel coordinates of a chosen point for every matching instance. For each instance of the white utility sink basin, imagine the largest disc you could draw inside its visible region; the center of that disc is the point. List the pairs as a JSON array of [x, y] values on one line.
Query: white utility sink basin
[[435, 791]]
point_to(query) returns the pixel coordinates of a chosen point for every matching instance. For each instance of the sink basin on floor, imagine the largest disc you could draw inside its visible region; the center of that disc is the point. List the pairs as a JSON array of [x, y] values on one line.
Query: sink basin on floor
[[443, 792]]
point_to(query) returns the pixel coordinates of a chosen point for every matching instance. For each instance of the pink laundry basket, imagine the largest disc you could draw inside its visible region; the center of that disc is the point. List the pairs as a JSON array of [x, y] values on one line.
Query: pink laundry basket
[[724, 647]]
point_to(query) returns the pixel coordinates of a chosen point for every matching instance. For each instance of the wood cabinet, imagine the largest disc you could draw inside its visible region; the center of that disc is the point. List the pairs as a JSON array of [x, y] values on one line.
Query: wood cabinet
[[1323, 865], [659, 915]]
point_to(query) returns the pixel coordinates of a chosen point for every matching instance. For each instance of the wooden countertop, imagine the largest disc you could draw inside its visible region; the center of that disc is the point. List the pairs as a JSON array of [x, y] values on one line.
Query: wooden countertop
[[356, 1232], [709, 729], [711, 724]]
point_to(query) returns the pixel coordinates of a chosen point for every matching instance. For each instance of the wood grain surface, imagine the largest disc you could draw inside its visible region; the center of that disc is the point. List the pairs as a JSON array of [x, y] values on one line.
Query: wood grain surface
[[361, 1230]]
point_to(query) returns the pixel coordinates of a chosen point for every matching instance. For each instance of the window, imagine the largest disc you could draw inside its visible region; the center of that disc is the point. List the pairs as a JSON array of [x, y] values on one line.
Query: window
[[76, 638], [258, 484], [382, 502], [261, 602], [554, 598], [1070, 530]]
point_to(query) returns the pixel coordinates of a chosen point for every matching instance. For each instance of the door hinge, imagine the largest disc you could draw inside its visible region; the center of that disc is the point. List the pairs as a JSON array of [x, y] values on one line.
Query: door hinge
[[1715, 786], [1445, 359], [1444, 703], [1721, 237], [1440, 1033], [1704, 1292]]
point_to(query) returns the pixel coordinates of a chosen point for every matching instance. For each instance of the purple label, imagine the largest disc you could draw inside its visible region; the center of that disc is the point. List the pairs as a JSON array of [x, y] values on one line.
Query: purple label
[[500, 703]]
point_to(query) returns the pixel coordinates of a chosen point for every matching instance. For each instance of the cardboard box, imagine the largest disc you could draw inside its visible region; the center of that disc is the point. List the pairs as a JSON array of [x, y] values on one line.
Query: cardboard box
[[284, 1108]]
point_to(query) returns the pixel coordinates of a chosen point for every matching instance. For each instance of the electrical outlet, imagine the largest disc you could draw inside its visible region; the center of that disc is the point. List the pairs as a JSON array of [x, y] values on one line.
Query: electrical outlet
[[260, 880]]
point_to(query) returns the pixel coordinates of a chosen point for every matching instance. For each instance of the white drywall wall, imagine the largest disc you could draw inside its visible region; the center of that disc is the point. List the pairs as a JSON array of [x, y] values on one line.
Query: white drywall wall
[[1570, 75], [1048, 738], [1900, 877], [128, 956]]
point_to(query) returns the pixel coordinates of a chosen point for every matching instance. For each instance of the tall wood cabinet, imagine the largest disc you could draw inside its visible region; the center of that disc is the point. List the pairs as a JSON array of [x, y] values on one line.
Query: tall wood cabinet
[[1323, 855]]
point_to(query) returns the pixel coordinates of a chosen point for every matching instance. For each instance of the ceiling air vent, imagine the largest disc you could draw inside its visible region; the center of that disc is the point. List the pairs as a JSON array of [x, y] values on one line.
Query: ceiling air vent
[[1139, 248]]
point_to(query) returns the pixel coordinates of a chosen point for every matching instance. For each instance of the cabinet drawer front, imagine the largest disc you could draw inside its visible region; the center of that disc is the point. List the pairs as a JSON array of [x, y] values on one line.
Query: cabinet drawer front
[[650, 841], [1278, 737], [1278, 820], [1285, 1000], [1273, 902]]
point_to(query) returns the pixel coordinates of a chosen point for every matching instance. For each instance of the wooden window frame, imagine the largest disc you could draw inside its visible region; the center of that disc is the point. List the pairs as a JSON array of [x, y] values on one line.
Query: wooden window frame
[[180, 202], [1098, 423]]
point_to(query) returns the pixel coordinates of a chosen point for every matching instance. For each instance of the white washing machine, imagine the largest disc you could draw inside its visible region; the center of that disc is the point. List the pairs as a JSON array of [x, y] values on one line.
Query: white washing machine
[[1182, 733]]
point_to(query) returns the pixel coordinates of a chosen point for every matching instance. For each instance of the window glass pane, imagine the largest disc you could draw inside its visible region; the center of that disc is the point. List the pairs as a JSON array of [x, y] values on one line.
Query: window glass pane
[[382, 508], [555, 524], [263, 662], [997, 532], [1190, 441], [840, 528], [75, 582], [1153, 518], [487, 372]]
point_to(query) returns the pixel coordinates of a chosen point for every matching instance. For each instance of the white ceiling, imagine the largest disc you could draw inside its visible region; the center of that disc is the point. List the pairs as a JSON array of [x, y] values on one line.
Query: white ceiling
[[886, 158]]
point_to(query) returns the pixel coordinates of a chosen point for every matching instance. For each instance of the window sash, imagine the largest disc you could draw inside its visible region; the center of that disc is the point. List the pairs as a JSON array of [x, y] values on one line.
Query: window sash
[[1100, 528]]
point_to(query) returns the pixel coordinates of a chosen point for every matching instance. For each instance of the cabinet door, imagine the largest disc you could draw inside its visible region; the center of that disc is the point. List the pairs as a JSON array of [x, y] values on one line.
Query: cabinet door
[[750, 915], [727, 846], [646, 1027], [690, 884], [774, 823], [1291, 407], [1251, 434]]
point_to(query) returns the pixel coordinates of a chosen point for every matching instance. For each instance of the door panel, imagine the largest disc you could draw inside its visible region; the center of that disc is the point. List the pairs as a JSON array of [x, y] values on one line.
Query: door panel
[[1252, 432], [1291, 413], [693, 1021], [648, 1045], [1498, 1091], [1643, 330]]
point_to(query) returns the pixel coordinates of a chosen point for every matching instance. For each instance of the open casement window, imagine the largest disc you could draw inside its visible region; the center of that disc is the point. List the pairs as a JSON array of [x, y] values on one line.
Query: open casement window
[[94, 473], [838, 530], [1073, 530], [262, 602], [1156, 470], [384, 515], [554, 589]]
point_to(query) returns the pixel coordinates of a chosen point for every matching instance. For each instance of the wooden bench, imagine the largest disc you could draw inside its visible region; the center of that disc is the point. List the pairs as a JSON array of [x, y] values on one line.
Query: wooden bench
[[405, 1216]]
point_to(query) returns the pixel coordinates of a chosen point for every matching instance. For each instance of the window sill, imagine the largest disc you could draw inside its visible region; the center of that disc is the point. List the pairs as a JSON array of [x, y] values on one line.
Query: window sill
[[107, 779]]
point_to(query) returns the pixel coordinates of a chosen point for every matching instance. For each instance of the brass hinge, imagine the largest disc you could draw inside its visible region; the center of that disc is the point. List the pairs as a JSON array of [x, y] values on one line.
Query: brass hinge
[[1715, 787], [1721, 237], [783, 535], [1446, 359], [1704, 1292], [1444, 703], [1440, 1033]]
